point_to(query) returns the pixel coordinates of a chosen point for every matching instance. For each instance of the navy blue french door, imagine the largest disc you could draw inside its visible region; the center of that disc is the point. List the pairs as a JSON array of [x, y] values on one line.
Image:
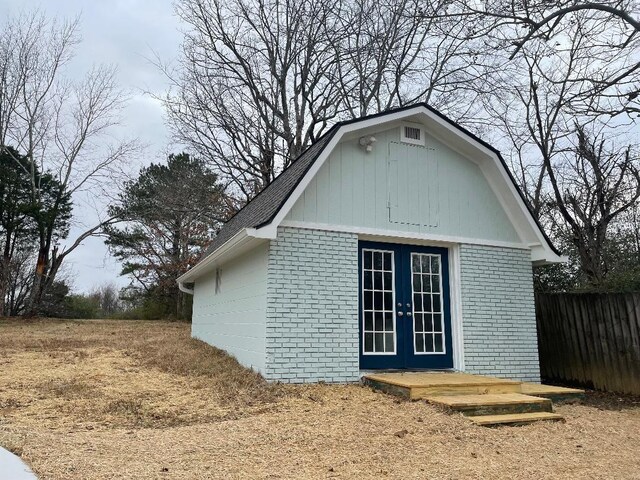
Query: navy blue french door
[[405, 312]]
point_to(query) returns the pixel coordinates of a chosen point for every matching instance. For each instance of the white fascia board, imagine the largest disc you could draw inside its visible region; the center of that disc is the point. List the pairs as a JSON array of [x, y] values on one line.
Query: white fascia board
[[267, 232], [515, 207], [398, 236], [544, 256], [242, 241]]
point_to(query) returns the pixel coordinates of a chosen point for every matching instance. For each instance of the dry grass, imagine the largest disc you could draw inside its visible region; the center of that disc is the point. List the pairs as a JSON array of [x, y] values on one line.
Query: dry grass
[[101, 400], [111, 374]]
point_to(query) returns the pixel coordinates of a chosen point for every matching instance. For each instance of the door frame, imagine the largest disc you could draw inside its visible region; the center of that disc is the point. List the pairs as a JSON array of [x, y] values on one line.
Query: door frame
[[455, 290]]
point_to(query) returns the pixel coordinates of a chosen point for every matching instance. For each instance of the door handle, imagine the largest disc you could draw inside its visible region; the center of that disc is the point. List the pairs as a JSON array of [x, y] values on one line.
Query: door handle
[[408, 314], [400, 314]]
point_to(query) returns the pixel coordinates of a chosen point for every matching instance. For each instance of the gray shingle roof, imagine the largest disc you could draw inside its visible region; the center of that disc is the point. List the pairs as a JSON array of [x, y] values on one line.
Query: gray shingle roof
[[264, 206]]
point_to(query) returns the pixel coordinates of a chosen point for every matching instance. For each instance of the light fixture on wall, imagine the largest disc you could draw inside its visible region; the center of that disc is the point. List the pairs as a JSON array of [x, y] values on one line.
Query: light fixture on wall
[[367, 142]]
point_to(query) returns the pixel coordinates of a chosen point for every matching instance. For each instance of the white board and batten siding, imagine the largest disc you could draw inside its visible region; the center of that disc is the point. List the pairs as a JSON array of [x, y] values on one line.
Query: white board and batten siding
[[229, 307], [428, 189]]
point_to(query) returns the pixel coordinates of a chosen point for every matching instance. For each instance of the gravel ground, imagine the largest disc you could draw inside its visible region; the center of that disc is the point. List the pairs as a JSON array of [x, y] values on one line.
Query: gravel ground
[[92, 409]]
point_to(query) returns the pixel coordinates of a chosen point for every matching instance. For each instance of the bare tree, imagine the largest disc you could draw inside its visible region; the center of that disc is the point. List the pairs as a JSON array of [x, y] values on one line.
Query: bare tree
[[106, 297], [594, 184], [252, 90], [387, 57], [563, 150], [260, 80], [61, 125], [613, 29], [19, 279]]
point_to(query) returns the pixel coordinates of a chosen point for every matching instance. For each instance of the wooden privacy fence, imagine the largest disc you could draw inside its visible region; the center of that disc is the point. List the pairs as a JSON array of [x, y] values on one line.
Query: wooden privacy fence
[[590, 339]]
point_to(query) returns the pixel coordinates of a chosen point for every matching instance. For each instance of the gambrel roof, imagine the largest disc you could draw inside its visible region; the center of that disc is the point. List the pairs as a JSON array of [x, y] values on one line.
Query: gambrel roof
[[260, 217]]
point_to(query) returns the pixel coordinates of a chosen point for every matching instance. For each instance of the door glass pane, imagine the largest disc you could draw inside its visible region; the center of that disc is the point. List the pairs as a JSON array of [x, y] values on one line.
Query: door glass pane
[[426, 303], [378, 345], [378, 304], [438, 347], [379, 321], [435, 263], [377, 261], [377, 301], [436, 303], [388, 321], [435, 283], [417, 301], [368, 280], [437, 322], [428, 342], [415, 263], [368, 299], [428, 323], [389, 346], [377, 280], [368, 321], [388, 301], [425, 263], [388, 258], [366, 258], [418, 323], [368, 342], [426, 270]]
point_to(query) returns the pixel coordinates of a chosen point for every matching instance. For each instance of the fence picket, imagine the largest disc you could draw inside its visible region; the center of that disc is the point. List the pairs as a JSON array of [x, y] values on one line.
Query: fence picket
[[590, 340]]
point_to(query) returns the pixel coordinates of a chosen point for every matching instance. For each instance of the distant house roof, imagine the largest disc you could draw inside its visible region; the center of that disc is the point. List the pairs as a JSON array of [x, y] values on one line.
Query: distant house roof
[[264, 207]]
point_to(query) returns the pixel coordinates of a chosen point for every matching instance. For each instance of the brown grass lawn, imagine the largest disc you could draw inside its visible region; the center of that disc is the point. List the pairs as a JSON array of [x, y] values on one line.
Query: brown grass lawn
[[125, 399]]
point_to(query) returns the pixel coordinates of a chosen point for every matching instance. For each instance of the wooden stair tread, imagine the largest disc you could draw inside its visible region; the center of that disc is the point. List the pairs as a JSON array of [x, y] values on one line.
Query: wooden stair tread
[[515, 418], [539, 389], [485, 399]]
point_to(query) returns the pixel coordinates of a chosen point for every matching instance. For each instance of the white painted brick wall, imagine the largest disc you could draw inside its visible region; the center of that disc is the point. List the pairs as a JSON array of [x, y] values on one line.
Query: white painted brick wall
[[498, 311], [312, 307]]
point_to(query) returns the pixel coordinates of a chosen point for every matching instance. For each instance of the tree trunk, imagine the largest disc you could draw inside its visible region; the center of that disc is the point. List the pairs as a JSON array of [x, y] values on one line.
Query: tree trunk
[[4, 282], [37, 289]]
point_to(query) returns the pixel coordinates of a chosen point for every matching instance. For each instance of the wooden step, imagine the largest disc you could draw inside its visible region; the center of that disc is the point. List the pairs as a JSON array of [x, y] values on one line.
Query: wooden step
[[555, 394], [427, 384], [492, 403], [515, 418]]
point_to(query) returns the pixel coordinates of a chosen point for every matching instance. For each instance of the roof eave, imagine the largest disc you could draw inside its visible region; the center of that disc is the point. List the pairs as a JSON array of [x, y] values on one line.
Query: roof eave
[[244, 240]]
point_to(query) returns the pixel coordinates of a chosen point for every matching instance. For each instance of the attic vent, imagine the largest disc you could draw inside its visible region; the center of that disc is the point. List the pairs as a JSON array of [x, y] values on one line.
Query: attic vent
[[412, 134]]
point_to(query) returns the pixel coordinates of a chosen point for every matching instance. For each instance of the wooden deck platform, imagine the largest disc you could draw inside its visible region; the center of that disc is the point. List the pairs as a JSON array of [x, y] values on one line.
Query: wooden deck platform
[[484, 400]]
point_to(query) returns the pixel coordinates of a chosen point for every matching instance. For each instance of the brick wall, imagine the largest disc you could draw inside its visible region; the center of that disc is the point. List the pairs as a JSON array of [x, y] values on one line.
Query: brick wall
[[498, 311], [312, 307]]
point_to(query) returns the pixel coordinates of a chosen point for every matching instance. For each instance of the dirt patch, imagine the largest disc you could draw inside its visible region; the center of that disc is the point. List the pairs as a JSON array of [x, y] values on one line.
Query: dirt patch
[[612, 401], [133, 404]]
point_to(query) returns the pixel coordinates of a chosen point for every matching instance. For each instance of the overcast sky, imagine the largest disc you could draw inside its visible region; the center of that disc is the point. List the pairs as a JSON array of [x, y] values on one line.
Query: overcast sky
[[124, 33]]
